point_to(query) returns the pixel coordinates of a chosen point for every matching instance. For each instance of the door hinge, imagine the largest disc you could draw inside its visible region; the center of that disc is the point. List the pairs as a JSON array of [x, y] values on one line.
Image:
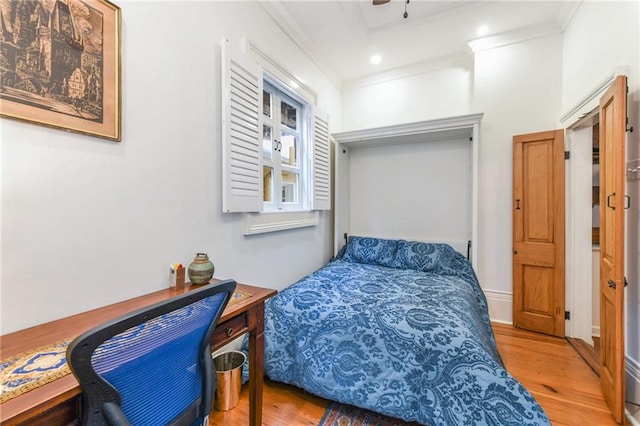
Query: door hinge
[[626, 283], [567, 155], [567, 315]]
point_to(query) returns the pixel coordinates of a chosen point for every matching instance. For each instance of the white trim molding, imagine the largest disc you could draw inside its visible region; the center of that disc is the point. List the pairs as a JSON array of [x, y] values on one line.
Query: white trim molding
[[451, 128], [520, 35], [500, 305], [284, 76], [590, 101], [283, 20], [261, 223], [462, 60], [632, 369], [463, 127]]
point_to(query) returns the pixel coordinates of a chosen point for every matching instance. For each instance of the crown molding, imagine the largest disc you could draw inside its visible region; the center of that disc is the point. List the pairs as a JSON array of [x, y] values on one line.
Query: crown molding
[[450, 128], [461, 60], [519, 35], [283, 20], [566, 13]]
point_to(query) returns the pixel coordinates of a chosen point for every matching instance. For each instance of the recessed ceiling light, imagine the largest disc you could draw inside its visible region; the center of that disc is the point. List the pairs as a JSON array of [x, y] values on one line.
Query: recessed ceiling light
[[376, 59], [482, 30]]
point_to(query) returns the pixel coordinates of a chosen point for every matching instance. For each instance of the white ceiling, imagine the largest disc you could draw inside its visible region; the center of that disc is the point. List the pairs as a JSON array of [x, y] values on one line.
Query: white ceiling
[[341, 35]]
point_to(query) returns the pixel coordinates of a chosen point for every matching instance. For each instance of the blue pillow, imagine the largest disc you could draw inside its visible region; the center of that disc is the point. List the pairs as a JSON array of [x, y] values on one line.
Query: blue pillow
[[340, 253], [372, 251], [426, 257]]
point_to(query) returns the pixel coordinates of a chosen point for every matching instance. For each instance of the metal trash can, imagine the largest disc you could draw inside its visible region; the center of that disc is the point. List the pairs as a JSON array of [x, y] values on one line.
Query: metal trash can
[[229, 374]]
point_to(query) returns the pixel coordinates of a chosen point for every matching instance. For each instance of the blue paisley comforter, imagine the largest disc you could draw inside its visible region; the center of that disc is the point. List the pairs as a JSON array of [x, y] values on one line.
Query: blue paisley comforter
[[414, 343]]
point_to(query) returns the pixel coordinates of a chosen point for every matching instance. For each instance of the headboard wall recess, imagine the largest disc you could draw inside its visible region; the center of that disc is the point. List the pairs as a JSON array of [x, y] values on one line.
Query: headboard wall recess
[[414, 181]]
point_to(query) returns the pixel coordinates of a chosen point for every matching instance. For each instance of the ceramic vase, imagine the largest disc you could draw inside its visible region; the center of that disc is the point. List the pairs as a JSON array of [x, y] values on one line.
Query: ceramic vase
[[201, 269]]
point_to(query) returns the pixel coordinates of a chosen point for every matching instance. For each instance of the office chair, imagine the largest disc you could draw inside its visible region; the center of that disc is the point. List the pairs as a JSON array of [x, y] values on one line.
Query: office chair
[[152, 366]]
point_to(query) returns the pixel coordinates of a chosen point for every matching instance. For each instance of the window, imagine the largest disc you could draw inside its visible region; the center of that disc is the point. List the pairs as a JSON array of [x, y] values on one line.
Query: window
[[275, 148], [284, 139]]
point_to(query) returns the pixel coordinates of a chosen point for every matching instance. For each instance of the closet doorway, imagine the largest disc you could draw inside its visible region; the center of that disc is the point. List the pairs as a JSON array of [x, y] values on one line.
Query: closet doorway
[[583, 230], [610, 121]]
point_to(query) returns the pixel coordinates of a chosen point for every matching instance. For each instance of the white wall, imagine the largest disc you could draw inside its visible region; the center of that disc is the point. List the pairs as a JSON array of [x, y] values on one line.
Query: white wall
[[87, 222], [382, 205], [593, 48], [429, 94], [602, 35], [518, 87], [595, 292]]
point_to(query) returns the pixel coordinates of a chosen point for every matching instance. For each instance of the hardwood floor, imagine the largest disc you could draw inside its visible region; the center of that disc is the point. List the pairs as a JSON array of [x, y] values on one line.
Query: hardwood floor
[[589, 353], [560, 380], [282, 405]]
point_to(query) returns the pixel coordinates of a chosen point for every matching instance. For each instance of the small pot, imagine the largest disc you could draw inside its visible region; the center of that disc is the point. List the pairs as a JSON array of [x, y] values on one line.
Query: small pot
[[201, 269]]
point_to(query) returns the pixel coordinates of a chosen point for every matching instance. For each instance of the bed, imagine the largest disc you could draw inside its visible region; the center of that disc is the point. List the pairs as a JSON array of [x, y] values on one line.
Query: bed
[[400, 328]]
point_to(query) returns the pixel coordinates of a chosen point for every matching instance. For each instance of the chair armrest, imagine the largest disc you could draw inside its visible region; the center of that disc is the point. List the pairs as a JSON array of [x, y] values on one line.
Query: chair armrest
[[114, 414]]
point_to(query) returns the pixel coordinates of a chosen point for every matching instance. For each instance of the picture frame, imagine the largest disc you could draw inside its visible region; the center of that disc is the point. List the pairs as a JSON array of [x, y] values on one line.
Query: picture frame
[[60, 65]]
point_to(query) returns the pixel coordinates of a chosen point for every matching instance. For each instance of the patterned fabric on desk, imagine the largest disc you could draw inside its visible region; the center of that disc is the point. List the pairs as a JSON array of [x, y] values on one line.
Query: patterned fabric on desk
[[37, 367], [32, 369]]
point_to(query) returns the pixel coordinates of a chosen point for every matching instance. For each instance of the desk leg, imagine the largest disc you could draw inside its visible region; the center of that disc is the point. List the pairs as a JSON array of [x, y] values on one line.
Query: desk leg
[[256, 367]]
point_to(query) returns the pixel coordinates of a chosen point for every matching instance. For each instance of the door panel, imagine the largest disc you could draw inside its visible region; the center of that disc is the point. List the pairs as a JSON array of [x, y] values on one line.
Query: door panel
[[538, 172], [538, 232], [613, 115], [538, 289]]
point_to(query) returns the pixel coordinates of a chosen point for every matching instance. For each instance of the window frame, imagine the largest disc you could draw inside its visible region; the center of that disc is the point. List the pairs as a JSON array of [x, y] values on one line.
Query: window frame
[[279, 92], [243, 73]]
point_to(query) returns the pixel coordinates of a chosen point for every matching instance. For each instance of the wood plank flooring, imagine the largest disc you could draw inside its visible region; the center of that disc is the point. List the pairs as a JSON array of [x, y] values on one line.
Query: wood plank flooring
[[560, 380], [555, 374], [589, 353]]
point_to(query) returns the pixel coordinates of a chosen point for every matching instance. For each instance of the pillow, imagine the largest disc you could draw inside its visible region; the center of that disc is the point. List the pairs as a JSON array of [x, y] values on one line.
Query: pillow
[[426, 257], [340, 253], [457, 265], [372, 251]]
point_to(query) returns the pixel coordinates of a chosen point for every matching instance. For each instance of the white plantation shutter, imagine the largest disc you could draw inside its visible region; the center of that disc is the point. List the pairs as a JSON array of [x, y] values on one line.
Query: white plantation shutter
[[321, 165], [242, 187]]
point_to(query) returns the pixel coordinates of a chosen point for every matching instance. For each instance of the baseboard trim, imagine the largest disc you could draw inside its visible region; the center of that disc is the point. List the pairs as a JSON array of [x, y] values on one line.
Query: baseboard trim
[[500, 306], [632, 370]]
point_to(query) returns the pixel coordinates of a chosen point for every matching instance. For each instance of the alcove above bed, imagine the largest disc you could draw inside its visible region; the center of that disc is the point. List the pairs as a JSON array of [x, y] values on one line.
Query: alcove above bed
[[415, 181]]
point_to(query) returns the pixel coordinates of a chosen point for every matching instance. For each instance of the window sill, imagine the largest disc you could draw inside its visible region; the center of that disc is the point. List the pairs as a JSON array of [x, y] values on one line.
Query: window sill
[[261, 223]]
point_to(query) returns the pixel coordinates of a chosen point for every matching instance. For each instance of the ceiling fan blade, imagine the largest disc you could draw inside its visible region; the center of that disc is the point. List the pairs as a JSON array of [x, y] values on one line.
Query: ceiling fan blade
[[379, 2]]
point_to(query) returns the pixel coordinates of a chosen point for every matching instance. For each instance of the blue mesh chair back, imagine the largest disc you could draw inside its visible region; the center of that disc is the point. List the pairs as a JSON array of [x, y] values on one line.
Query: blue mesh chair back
[[152, 366]]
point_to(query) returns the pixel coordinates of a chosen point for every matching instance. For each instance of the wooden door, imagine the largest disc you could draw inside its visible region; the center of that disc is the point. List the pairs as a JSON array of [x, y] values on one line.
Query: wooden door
[[613, 106], [538, 232]]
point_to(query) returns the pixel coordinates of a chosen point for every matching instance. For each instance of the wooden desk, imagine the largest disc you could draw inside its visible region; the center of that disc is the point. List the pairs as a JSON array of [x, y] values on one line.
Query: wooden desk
[[59, 402]]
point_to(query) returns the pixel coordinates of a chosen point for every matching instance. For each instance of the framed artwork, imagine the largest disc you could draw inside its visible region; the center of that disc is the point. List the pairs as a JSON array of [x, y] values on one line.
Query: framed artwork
[[60, 64]]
